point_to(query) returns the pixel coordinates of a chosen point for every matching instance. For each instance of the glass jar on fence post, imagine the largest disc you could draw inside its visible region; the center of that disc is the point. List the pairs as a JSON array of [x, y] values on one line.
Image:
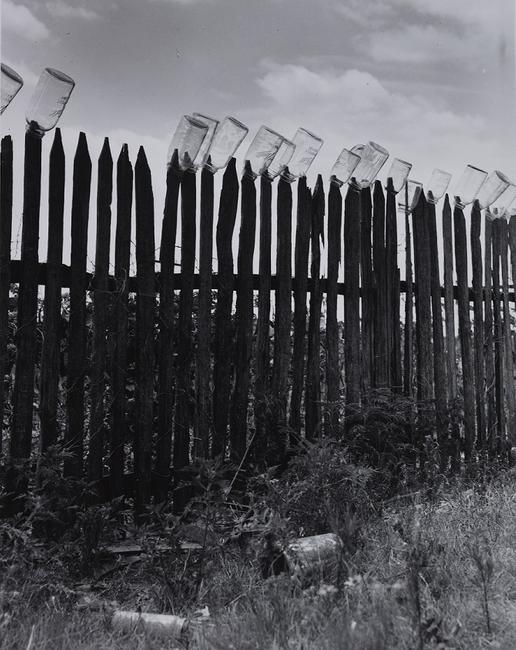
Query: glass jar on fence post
[[399, 171], [437, 185], [307, 146], [507, 200], [410, 196], [262, 150], [281, 159], [187, 140], [492, 188], [228, 137], [11, 85], [469, 185], [202, 154], [372, 158], [343, 168], [48, 100]]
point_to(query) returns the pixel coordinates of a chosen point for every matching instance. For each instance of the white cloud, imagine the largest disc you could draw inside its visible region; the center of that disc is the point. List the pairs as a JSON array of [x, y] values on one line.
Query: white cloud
[[354, 106], [60, 9], [19, 20]]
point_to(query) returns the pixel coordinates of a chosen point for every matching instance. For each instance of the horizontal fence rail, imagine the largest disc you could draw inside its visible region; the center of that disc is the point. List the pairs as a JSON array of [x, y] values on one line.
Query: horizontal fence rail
[[136, 376]]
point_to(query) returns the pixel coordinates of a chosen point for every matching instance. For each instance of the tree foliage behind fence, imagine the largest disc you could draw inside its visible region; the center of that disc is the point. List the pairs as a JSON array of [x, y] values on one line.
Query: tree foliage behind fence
[[163, 367]]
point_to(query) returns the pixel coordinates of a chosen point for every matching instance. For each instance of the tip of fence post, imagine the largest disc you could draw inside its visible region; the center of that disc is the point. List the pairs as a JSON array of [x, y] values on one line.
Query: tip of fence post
[[141, 159]]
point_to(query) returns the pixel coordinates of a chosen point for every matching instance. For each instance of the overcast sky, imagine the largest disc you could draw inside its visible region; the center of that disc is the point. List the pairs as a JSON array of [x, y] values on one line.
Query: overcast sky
[[431, 80]]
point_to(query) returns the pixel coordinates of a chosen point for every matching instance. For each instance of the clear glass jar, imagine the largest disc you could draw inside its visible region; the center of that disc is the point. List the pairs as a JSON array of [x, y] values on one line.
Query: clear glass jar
[[492, 188], [344, 166], [281, 159], [187, 139], [48, 100], [202, 155], [413, 190], [469, 185], [262, 150], [399, 171], [507, 201], [372, 158], [307, 146], [437, 185], [228, 137], [11, 85]]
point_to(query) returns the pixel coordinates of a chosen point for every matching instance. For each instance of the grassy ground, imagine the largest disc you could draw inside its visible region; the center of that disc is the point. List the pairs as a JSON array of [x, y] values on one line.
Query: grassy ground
[[423, 574]]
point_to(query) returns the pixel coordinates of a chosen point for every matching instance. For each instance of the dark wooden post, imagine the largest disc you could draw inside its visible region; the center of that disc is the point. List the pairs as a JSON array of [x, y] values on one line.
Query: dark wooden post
[[244, 318], [441, 401], [408, 343], [381, 346], [512, 245], [124, 190], [23, 395], [468, 375], [262, 379], [352, 298], [101, 306], [498, 338], [366, 277], [449, 311], [52, 328], [302, 249], [77, 355], [223, 327], [6, 214], [145, 321], [393, 313], [332, 327], [506, 331], [488, 335], [203, 420], [478, 321], [166, 333], [313, 374], [184, 396], [282, 323]]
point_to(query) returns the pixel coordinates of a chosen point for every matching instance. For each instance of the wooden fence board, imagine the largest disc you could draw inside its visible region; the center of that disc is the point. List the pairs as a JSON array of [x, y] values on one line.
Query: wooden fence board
[[185, 403], [203, 420], [166, 336], [243, 318], [23, 393], [145, 322], [282, 323], [52, 327], [301, 252], [468, 375], [101, 309], [352, 298], [408, 342], [498, 340], [223, 326], [393, 314], [313, 418], [478, 323], [77, 354], [119, 333], [488, 335], [381, 332], [262, 355], [508, 365], [333, 379], [6, 213], [366, 277], [441, 398]]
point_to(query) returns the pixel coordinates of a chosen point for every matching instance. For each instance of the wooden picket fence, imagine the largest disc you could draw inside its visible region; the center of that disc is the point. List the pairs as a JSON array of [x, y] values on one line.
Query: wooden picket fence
[[213, 371]]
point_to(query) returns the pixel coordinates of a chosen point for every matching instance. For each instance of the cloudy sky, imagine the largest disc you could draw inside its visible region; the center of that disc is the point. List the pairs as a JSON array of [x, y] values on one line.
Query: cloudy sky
[[431, 80]]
